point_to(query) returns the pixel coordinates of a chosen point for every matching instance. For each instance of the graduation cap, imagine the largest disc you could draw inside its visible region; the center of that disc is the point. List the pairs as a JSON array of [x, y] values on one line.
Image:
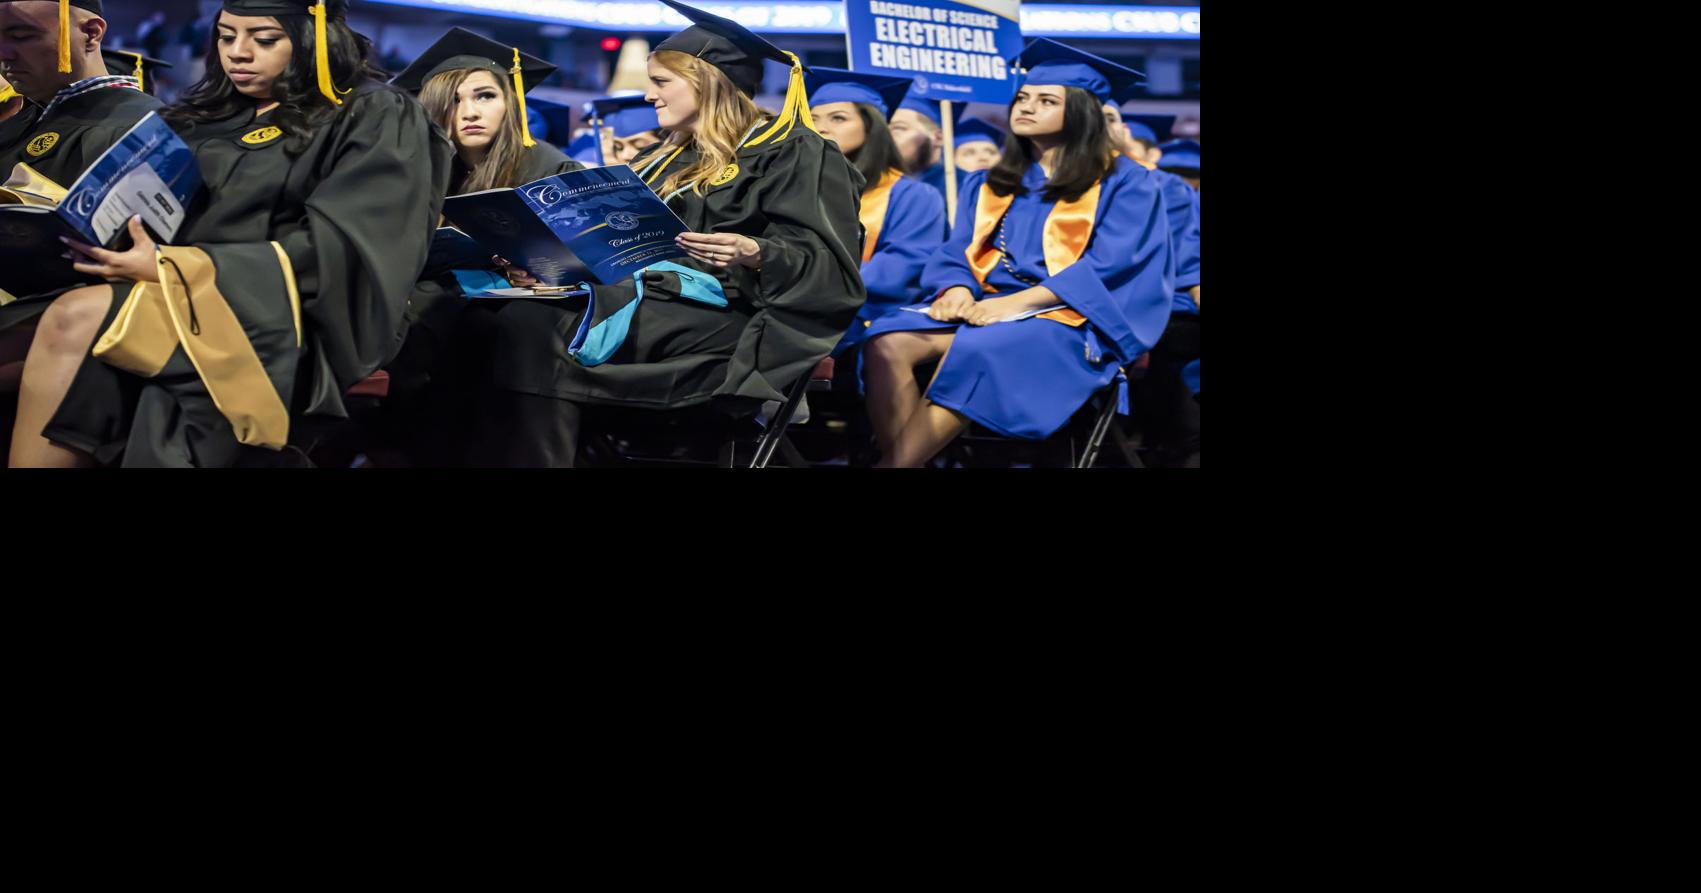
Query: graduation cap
[[585, 149], [64, 34], [556, 118], [738, 53], [321, 10], [1050, 63], [1153, 129], [460, 49], [842, 85], [929, 109], [625, 115], [1179, 156], [136, 65], [975, 130]]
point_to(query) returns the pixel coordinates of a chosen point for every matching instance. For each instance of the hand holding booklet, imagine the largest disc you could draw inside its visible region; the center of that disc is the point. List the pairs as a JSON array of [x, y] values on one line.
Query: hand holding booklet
[[598, 225], [149, 171]]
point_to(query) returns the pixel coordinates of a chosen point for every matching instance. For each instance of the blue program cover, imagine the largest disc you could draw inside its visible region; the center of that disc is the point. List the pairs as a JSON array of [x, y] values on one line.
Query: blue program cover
[[601, 224], [149, 171]]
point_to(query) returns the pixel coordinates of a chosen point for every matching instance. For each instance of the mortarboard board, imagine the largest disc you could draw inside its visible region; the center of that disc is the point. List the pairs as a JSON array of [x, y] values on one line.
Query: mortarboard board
[[1179, 156], [976, 130], [1050, 63]]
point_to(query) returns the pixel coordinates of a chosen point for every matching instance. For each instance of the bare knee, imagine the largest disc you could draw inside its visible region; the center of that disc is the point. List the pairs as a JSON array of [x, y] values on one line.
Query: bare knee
[[70, 324]]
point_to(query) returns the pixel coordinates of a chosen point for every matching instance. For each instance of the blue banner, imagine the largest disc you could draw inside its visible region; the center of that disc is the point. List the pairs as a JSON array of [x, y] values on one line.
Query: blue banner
[[954, 49], [824, 16]]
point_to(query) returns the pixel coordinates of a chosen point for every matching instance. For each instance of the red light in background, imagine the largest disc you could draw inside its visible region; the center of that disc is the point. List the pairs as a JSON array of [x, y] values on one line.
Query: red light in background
[[611, 43]]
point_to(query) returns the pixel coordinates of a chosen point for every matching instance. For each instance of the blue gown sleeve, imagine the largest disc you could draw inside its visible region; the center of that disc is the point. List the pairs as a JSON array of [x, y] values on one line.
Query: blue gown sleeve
[[913, 229], [1124, 281], [949, 266], [1184, 228]]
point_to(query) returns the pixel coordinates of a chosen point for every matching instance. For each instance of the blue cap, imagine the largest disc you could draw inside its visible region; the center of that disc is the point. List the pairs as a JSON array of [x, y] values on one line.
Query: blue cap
[[929, 108], [1181, 155], [975, 130], [627, 115], [1153, 129], [1050, 63], [548, 120], [841, 85], [583, 149]]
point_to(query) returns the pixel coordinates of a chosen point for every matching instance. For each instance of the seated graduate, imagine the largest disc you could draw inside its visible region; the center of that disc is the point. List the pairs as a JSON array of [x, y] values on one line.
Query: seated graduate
[[1142, 134], [919, 132], [59, 110], [629, 126], [903, 220], [771, 283], [285, 285], [1061, 222], [979, 145], [474, 88]]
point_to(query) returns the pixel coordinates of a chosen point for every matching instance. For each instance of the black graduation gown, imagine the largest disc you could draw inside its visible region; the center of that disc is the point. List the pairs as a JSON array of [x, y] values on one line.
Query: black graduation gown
[[798, 198], [63, 145], [430, 392], [437, 301], [286, 286]]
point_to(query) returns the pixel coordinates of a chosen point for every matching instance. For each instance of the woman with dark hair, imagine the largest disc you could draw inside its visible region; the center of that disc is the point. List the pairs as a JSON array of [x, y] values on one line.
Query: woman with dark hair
[[903, 219], [285, 284], [1057, 273], [769, 285]]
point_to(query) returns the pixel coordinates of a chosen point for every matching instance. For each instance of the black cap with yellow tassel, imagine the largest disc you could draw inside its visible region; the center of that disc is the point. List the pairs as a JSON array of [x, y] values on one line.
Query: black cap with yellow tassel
[[738, 52], [460, 50], [142, 68], [321, 11]]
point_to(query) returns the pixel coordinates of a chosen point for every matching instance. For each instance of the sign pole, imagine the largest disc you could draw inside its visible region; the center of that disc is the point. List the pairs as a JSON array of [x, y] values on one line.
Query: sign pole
[[950, 161], [596, 130]]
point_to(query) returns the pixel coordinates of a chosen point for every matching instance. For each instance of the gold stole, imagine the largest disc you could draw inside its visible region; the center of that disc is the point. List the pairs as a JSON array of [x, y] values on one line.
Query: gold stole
[[1067, 229], [873, 214]]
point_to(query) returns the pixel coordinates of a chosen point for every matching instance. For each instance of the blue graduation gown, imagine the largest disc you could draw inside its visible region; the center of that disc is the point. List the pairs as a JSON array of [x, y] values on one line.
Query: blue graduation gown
[[913, 228], [935, 177], [1181, 203], [1026, 378]]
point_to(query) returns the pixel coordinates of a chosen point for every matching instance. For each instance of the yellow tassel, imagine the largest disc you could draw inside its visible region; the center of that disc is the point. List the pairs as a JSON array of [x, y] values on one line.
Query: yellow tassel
[[796, 107], [7, 94], [322, 54], [520, 95], [64, 36], [140, 70]]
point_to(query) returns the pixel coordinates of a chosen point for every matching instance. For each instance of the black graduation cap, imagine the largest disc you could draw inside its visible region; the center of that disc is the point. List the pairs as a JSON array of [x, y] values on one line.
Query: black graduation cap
[[136, 65], [321, 10], [734, 49], [738, 53], [460, 48]]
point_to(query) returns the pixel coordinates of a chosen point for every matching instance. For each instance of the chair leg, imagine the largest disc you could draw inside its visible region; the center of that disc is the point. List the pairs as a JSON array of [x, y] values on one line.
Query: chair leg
[[776, 428], [1101, 426]]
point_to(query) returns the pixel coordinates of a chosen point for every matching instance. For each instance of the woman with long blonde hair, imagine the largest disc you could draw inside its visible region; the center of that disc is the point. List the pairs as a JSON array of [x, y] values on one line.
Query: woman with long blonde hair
[[770, 283]]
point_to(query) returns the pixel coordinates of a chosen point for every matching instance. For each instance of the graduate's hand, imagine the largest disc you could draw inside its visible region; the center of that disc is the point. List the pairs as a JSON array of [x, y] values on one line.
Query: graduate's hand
[[990, 310], [722, 249], [519, 277], [950, 306], [135, 265]]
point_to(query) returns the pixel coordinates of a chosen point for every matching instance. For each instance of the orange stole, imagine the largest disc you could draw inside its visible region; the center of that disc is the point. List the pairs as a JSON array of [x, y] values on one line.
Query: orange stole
[[875, 201], [1067, 229]]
